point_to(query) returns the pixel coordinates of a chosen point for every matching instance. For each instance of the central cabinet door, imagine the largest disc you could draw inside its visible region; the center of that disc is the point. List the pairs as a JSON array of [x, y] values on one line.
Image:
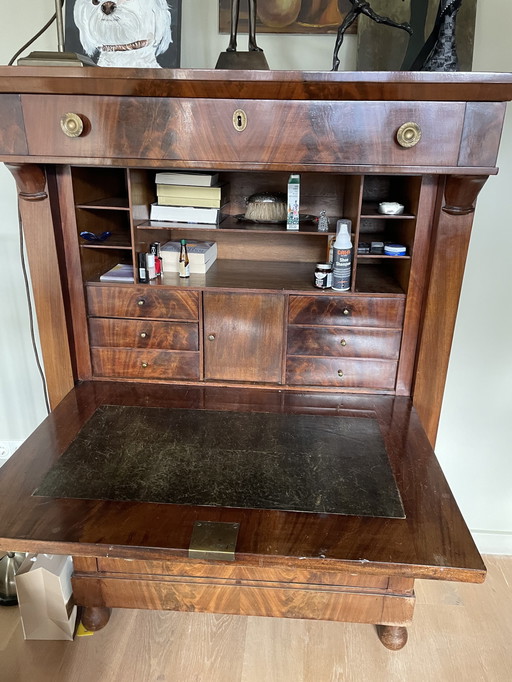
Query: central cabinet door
[[243, 336]]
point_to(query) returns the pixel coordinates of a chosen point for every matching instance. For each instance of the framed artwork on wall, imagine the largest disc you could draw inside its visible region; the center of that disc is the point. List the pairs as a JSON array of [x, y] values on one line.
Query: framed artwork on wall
[[127, 33], [289, 16]]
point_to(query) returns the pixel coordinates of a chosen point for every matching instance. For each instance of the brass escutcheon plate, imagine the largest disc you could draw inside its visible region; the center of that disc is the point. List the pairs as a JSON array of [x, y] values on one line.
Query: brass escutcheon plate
[[213, 540], [240, 120]]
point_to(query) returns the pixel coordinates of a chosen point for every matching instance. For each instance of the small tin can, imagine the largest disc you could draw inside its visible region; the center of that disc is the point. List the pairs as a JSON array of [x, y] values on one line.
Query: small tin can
[[323, 276]]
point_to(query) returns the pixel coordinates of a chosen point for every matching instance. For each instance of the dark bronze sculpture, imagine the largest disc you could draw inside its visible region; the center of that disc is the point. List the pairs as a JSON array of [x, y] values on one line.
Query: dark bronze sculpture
[[235, 12], [440, 52], [361, 7]]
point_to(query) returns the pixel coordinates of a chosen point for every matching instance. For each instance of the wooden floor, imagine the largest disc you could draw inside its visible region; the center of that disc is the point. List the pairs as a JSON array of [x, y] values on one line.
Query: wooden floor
[[461, 633]]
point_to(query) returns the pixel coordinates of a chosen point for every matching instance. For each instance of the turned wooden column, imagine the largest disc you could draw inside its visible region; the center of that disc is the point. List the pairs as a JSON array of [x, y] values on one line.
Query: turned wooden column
[[38, 230], [448, 256]]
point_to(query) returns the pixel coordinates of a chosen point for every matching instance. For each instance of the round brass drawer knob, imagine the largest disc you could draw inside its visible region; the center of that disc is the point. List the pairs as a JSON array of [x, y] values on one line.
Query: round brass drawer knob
[[408, 135], [340, 373], [346, 311], [211, 337], [143, 335], [343, 342], [144, 365], [141, 301], [72, 125]]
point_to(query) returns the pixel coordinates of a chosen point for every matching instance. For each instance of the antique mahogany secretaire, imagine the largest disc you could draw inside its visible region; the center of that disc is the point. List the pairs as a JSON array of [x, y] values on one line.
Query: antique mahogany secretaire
[[240, 441]]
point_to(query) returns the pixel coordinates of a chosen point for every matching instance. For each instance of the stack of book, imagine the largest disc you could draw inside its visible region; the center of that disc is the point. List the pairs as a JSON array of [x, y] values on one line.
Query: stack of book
[[201, 256], [189, 197]]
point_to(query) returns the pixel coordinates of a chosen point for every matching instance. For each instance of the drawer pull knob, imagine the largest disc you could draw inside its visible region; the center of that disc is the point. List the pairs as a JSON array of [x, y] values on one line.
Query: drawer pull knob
[[211, 337], [144, 364], [143, 335], [408, 135], [340, 373], [72, 125], [346, 311], [343, 342], [141, 301]]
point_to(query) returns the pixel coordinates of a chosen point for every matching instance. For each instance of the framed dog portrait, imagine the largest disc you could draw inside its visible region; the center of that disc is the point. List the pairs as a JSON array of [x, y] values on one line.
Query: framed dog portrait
[[289, 16], [126, 33]]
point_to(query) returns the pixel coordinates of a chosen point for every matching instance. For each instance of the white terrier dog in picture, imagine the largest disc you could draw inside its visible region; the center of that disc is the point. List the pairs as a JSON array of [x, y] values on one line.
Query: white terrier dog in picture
[[126, 32]]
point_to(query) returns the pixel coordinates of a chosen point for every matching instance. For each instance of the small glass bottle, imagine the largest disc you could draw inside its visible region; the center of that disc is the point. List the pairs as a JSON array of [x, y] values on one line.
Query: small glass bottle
[[323, 276], [183, 263]]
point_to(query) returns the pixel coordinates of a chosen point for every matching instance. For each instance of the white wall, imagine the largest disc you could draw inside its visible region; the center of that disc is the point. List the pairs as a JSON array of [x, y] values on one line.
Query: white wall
[[474, 444]]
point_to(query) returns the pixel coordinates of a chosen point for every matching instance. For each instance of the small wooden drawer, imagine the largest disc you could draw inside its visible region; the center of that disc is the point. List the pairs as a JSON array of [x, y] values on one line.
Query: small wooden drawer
[[201, 129], [341, 372], [145, 364], [344, 342], [143, 334], [344, 311], [150, 302]]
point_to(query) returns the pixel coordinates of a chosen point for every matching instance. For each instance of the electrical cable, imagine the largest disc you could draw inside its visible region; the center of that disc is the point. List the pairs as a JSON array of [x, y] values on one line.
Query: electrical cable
[[34, 38], [31, 314]]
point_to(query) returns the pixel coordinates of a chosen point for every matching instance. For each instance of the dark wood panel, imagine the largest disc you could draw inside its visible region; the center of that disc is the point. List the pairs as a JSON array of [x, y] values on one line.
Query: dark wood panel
[[361, 85], [144, 334], [417, 546], [331, 132], [483, 122], [243, 336], [149, 302], [342, 311], [344, 342], [340, 372], [256, 599], [12, 130], [145, 364]]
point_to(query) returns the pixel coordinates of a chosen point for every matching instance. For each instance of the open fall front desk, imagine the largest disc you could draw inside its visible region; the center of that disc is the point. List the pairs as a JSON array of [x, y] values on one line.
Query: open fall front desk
[[242, 442]]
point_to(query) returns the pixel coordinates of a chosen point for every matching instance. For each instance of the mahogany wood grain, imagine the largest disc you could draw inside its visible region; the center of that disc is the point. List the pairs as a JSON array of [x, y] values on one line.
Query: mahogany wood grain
[[75, 299], [449, 250], [341, 372], [12, 133], [362, 85], [145, 364], [350, 342], [256, 599], [144, 334], [483, 122], [141, 301], [243, 336], [345, 310], [40, 240], [414, 547], [118, 130]]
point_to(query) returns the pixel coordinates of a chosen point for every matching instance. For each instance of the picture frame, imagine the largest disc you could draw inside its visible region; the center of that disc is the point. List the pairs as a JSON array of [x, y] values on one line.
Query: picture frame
[[164, 54], [289, 16]]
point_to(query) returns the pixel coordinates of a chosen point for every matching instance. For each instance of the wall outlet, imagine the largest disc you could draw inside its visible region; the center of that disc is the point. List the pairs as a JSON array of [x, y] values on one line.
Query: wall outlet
[[8, 448]]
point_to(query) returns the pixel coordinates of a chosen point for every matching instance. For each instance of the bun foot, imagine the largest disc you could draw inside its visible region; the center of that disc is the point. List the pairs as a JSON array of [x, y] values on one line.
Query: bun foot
[[393, 637], [95, 618]]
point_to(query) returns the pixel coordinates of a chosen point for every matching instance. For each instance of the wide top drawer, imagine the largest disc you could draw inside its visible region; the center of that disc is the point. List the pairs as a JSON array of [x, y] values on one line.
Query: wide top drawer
[[245, 131], [344, 311], [142, 302]]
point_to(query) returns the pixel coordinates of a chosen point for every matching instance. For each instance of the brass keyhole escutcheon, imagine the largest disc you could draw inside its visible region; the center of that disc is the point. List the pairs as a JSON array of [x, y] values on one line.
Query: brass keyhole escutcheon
[[72, 125], [408, 135], [240, 120]]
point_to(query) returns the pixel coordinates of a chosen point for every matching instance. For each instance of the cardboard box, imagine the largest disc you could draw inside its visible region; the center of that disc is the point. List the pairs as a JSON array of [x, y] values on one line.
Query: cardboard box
[[45, 597]]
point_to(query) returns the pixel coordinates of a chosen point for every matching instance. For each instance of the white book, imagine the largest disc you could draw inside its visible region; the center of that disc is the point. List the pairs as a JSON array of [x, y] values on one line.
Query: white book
[[119, 273], [202, 255], [185, 214], [200, 178]]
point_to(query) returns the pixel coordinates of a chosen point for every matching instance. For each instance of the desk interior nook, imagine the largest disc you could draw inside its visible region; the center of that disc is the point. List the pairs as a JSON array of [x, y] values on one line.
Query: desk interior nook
[[240, 441]]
